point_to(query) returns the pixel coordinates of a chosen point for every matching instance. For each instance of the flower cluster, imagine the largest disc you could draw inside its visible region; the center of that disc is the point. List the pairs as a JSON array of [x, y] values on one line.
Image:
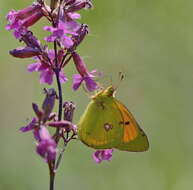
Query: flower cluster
[[46, 144], [65, 34]]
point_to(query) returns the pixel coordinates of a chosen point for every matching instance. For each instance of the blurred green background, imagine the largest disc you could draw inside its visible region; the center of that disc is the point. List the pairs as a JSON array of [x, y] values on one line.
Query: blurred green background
[[152, 43]]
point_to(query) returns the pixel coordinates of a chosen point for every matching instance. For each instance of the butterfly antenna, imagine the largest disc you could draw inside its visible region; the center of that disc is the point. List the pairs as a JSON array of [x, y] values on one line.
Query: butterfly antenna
[[121, 77], [100, 86], [111, 81]]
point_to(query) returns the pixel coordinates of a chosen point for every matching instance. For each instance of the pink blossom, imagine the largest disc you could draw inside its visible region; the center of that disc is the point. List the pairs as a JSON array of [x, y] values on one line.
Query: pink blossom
[[84, 75], [101, 155], [46, 147], [46, 70], [62, 32], [20, 20]]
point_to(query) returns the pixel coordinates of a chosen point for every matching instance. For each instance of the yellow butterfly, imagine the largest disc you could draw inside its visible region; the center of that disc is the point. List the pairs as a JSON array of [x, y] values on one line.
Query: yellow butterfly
[[107, 123]]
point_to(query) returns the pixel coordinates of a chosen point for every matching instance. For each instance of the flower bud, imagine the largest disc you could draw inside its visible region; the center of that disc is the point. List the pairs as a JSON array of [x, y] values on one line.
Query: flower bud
[[66, 125], [79, 63], [25, 52], [24, 13], [81, 33], [48, 103], [32, 19], [69, 2], [19, 21], [37, 110], [69, 108], [30, 40], [78, 5]]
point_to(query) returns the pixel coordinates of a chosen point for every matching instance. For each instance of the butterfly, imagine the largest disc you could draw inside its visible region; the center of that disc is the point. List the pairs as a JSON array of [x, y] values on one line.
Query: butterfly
[[107, 123]]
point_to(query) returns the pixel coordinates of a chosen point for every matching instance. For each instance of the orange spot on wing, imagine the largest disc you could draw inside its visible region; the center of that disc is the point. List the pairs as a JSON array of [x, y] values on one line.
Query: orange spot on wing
[[130, 131]]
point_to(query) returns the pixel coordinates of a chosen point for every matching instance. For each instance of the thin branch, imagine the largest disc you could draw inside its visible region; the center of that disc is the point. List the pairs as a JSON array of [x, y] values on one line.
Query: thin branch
[[60, 156]]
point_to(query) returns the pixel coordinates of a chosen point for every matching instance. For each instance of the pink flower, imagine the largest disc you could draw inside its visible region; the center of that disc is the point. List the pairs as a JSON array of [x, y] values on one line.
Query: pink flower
[[62, 32], [47, 146], [84, 75], [46, 70], [101, 155], [19, 21], [32, 126]]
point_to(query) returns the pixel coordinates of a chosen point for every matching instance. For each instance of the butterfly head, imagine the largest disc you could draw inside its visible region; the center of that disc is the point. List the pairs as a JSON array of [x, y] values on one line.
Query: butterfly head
[[109, 91]]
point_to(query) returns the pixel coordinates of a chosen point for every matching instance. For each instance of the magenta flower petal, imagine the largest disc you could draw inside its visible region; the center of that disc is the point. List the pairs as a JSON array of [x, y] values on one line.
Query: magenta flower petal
[[90, 84], [36, 133], [50, 38], [101, 155], [62, 77], [48, 28], [63, 32], [77, 80], [33, 67], [46, 76], [20, 20], [46, 69], [67, 41], [30, 126], [47, 146], [74, 15]]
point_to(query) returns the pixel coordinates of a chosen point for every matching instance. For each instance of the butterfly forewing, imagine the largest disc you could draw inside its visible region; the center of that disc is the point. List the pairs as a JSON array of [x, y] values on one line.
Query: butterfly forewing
[[133, 139], [100, 124]]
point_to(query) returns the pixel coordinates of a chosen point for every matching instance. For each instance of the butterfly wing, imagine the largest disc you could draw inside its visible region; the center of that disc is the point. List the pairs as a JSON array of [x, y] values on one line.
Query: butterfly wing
[[107, 123], [99, 127], [134, 139]]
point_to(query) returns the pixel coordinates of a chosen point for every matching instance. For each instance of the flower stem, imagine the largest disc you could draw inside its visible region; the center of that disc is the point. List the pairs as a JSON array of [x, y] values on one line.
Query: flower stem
[[60, 95], [60, 156], [52, 177]]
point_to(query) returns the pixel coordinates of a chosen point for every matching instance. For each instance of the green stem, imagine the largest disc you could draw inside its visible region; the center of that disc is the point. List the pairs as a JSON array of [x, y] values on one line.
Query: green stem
[[52, 177]]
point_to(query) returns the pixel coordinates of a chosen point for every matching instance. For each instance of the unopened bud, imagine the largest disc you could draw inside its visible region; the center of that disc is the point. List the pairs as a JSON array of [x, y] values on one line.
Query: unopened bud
[[30, 40], [33, 19], [79, 63], [48, 103], [25, 52], [66, 125], [85, 4], [70, 2], [37, 110], [81, 33], [69, 108]]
